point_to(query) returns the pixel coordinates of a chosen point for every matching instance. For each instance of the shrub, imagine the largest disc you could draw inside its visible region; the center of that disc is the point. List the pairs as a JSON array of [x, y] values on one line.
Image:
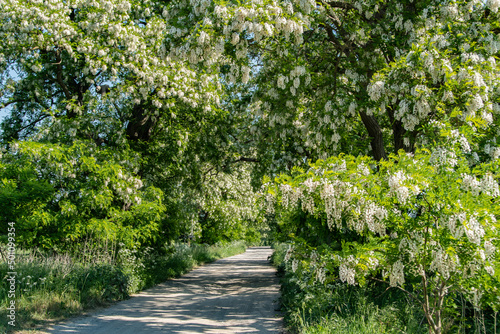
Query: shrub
[[425, 224]]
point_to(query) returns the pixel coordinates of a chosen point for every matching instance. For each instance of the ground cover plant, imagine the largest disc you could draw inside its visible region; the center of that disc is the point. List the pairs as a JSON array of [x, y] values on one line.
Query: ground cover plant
[[54, 287]]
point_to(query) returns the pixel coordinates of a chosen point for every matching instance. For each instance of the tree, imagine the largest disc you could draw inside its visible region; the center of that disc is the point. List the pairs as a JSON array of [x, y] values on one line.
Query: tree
[[352, 76], [426, 224], [61, 196], [108, 74]]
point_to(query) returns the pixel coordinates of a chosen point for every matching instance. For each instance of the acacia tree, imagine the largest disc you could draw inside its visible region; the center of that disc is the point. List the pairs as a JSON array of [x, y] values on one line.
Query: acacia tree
[[107, 73], [101, 71], [365, 77], [334, 76], [427, 224], [352, 76]]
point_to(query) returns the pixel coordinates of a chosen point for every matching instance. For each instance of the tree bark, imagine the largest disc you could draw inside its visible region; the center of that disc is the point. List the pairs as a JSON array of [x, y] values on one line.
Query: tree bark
[[398, 132], [140, 126], [375, 133]]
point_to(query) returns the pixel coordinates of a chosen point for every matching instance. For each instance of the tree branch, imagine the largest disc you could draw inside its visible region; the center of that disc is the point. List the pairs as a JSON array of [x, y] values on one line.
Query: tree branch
[[243, 159], [59, 77], [400, 288]]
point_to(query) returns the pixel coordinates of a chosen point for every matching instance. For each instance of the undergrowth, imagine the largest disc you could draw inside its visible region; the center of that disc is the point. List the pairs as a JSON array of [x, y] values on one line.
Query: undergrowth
[[372, 309], [53, 287]]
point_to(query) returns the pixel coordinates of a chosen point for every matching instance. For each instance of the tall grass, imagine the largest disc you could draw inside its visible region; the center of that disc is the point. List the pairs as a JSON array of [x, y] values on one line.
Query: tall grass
[[54, 287]]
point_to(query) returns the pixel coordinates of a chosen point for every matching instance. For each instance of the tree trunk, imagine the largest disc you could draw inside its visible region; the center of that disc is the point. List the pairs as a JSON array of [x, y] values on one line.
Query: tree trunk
[[375, 133], [398, 132], [140, 126]]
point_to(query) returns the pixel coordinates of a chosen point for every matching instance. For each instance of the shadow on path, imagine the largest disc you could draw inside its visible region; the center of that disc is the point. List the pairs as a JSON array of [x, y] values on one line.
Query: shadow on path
[[233, 295]]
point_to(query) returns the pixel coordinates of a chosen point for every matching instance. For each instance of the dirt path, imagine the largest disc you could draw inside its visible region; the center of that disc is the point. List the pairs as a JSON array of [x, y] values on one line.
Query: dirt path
[[233, 295]]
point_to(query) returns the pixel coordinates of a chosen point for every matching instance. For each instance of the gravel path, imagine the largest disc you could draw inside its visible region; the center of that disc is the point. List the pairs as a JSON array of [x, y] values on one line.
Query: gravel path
[[233, 295]]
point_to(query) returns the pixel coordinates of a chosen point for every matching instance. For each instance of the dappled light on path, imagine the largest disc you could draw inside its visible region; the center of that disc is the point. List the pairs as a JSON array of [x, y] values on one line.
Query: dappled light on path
[[233, 295]]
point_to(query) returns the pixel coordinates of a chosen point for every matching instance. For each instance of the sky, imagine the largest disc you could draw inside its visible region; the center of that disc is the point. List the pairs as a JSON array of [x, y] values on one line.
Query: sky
[[3, 113]]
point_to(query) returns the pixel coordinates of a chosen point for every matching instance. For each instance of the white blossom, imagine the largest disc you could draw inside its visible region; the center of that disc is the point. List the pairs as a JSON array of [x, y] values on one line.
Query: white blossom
[[397, 277], [347, 274], [376, 90]]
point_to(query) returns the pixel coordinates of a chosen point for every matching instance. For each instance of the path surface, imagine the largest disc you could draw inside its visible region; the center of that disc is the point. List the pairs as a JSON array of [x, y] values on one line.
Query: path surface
[[233, 295]]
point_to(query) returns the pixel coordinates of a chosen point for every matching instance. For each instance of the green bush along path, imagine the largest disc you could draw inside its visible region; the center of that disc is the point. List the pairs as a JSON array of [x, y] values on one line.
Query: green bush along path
[[232, 295]]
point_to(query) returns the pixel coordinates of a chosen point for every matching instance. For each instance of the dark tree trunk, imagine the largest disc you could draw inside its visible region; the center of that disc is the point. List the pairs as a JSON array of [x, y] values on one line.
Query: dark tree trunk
[[398, 132], [140, 126], [375, 133]]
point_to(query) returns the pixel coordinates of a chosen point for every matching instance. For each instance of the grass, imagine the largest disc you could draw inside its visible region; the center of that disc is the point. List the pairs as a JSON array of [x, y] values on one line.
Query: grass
[[52, 288]]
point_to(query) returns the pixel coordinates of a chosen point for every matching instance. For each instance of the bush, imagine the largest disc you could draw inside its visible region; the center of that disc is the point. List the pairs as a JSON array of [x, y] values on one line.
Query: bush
[[425, 224], [337, 307]]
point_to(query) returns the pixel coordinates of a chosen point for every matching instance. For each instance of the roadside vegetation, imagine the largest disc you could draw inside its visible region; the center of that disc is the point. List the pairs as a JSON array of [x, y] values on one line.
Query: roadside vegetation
[[53, 287], [405, 245], [340, 308]]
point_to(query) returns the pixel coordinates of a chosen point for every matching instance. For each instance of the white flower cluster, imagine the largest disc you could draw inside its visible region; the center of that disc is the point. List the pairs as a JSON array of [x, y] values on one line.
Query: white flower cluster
[[376, 90], [126, 187], [458, 224], [347, 271], [443, 157], [489, 248], [338, 199], [321, 275], [493, 5], [374, 217], [294, 78], [229, 197], [488, 185], [397, 275], [363, 169], [444, 263], [295, 264], [334, 207], [492, 151], [455, 224], [409, 246], [398, 184], [474, 230], [457, 137], [290, 196], [475, 297]]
